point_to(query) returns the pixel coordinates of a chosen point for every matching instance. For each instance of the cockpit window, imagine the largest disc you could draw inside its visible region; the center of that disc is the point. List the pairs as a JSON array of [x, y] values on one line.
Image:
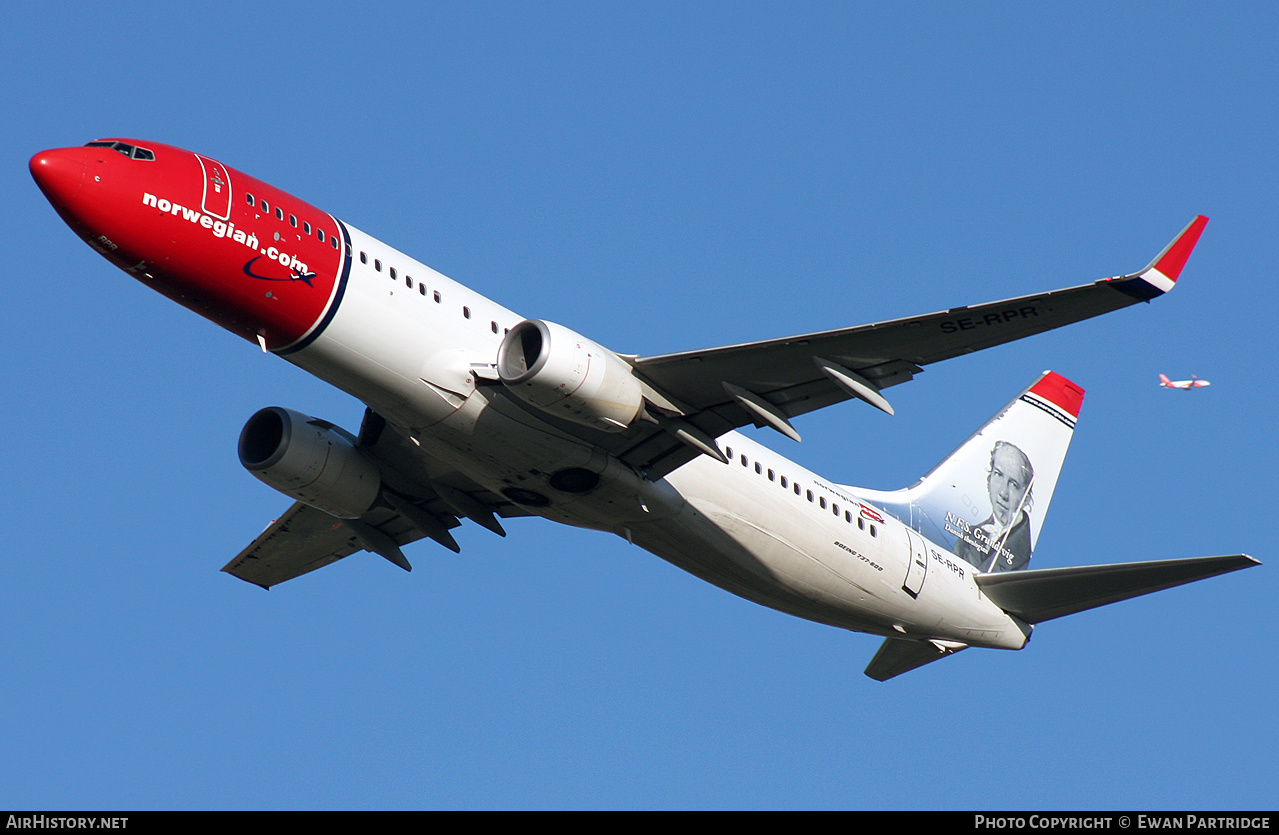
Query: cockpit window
[[131, 151], [119, 146]]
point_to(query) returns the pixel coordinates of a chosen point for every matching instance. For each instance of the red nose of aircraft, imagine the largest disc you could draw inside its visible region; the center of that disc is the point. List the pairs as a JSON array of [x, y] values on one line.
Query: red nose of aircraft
[[166, 216], [60, 174]]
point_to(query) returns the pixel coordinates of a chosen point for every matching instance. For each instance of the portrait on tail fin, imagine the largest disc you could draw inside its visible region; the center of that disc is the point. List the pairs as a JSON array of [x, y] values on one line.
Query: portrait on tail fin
[[1002, 542]]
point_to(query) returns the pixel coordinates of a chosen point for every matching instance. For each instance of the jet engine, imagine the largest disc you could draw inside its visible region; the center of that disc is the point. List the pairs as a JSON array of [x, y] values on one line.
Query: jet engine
[[310, 460], [566, 374]]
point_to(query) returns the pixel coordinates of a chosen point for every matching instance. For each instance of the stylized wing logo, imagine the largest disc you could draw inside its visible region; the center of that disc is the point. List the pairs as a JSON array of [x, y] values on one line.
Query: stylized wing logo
[[297, 275]]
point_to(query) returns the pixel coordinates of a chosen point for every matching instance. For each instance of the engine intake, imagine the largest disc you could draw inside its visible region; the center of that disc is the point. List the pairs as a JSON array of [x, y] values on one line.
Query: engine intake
[[309, 460], [564, 373]]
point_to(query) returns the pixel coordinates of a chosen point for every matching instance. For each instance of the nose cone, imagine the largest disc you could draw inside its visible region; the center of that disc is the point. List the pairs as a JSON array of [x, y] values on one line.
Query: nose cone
[[60, 174]]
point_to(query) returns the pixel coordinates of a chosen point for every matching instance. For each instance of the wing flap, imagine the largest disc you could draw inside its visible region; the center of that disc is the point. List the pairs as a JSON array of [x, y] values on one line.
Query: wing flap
[[1037, 595]]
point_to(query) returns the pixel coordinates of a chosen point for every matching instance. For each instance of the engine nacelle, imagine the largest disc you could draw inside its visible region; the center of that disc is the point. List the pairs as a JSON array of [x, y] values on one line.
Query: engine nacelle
[[568, 375], [309, 460]]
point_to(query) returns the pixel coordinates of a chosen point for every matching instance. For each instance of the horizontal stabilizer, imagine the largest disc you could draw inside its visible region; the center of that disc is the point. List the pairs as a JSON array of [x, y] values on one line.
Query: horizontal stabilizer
[[1042, 594], [898, 655]]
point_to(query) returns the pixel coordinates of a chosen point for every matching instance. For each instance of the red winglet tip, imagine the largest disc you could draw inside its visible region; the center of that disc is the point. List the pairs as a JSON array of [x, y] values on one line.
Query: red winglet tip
[[1059, 391], [1172, 259]]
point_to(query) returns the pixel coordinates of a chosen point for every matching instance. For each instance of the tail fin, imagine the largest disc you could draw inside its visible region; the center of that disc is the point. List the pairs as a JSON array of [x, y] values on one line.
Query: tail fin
[[987, 500]]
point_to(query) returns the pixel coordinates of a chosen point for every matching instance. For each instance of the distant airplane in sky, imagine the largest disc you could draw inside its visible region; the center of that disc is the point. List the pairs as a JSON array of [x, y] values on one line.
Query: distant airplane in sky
[[1193, 383], [474, 412]]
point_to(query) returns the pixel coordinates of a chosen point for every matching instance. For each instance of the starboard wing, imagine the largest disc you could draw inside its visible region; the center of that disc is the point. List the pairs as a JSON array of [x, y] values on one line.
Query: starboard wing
[[712, 391]]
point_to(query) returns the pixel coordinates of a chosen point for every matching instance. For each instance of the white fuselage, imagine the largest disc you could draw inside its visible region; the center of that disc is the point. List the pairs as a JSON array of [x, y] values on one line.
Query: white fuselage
[[761, 526]]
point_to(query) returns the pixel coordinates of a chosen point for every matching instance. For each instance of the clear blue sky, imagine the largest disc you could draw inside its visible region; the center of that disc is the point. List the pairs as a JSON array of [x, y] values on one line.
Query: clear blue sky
[[659, 177]]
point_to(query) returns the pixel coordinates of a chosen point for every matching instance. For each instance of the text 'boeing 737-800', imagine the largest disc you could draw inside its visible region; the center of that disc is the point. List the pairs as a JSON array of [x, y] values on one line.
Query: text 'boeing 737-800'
[[473, 412]]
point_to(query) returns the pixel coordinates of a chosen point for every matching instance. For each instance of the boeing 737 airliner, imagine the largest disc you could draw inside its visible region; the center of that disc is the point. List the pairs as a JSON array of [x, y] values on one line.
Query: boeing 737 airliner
[[474, 412]]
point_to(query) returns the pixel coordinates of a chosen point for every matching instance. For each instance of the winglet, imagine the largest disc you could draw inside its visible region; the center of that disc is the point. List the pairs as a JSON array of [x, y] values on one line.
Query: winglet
[[1172, 259], [1161, 274]]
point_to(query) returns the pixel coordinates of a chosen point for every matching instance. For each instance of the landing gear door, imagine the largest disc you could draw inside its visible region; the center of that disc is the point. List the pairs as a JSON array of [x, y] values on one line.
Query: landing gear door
[[918, 565]]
